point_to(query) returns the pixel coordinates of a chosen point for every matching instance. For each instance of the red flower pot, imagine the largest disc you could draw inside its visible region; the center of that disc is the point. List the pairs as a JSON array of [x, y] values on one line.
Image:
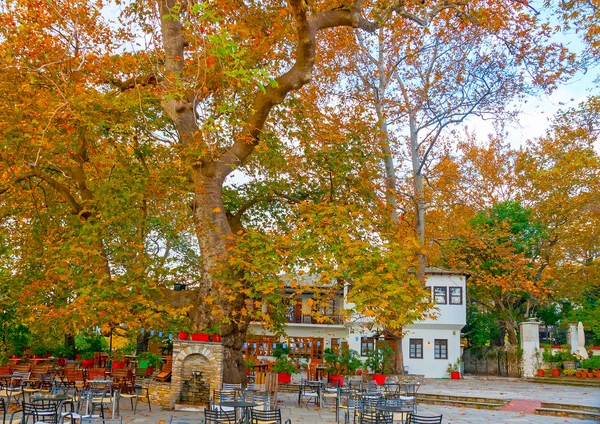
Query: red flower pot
[[455, 375], [247, 371], [216, 337], [598, 374], [358, 372], [556, 372], [284, 377], [87, 363], [541, 373], [379, 379], [183, 335], [117, 365], [337, 380], [200, 337]]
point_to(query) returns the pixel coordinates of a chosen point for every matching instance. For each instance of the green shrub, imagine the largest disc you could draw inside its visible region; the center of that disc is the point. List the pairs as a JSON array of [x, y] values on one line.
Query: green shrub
[[591, 363]]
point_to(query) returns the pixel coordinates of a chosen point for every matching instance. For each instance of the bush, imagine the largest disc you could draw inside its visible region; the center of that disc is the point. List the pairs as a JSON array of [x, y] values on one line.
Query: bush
[[341, 363], [591, 363], [284, 365]]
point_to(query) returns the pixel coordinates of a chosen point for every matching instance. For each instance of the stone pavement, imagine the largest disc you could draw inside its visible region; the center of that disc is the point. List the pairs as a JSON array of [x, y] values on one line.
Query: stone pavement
[[491, 388], [513, 388]]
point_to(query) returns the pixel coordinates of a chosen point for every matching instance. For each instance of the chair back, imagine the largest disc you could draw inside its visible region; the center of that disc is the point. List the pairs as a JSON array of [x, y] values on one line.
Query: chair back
[[215, 416], [22, 368], [422, 419], [74, 375], [262, 399], [96, 373], [231, 386], [271, 417], [410, 389], [376, 418]]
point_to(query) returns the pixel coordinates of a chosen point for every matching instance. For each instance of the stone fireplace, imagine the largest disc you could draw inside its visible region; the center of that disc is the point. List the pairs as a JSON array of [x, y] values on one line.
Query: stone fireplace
[[197, 371]]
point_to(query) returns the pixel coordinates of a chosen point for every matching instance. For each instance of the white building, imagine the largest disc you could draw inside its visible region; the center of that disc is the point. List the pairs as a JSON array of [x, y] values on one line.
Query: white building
[[428, 346]]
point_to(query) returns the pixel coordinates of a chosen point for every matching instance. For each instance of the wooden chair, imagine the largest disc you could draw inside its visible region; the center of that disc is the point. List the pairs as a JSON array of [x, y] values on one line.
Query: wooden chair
[[96, 373], [74, 379], [22, 368]]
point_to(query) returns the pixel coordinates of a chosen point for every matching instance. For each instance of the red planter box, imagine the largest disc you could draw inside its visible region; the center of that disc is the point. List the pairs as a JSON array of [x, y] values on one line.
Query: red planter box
[[200, 337], [455, 375], [117, 365], [337, 380], [379, 379], [87, 363], [183, 335], [284, 378]]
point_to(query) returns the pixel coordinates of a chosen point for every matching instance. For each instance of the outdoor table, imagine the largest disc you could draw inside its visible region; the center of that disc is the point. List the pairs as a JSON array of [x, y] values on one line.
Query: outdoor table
[[241, 405], [51, 397]]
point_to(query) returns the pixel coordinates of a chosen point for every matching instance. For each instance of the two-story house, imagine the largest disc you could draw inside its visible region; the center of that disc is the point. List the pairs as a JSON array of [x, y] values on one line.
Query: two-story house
[[428, 346]]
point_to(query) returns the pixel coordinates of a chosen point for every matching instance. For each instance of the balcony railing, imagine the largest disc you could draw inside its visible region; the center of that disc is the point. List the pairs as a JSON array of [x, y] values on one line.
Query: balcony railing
[[309, 319]]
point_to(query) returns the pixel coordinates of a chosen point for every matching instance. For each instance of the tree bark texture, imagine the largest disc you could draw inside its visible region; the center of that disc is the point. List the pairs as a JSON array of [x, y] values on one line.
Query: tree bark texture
[[210, 218]]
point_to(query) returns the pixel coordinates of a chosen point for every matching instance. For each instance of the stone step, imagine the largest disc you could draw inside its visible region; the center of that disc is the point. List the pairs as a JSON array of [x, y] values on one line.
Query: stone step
[[461, 401], [431, 396], [569, 413], [586, 408], [566, 381]]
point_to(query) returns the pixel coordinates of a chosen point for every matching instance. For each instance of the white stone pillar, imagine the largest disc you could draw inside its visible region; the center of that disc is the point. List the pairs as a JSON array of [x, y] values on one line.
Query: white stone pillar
[[530, 344], [573, 337]]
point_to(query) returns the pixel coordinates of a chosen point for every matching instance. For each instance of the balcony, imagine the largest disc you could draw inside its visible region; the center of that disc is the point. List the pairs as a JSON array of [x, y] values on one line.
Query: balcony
[[330, 319]]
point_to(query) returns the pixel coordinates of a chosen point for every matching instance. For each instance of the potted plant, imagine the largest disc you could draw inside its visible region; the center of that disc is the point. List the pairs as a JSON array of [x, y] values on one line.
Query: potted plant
[[454, 369], [284, 368], [87, 360], [214, 331], [380, 361], [201, 336], [339, 364], [39, 351], [569, 372], [249, 364], [592, 364], [154, 361]]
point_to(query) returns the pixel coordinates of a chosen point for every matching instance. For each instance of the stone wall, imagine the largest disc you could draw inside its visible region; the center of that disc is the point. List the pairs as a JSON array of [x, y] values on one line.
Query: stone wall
[[193, 362]]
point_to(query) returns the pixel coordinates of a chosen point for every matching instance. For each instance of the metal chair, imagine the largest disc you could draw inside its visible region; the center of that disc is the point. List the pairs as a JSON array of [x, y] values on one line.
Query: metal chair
[[376, 418], [132, 391], [409, 392], [216, 416], [422, 419], [262, 400], [352, 406], [271, 417], [311, 390], [224, 396], [3, 410], [14, 388]]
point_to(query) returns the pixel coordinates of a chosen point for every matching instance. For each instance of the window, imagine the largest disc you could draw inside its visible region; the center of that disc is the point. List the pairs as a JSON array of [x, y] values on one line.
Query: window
[[367, 345], [440, 349], [456, 295], [415, 348], [439, 295]]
